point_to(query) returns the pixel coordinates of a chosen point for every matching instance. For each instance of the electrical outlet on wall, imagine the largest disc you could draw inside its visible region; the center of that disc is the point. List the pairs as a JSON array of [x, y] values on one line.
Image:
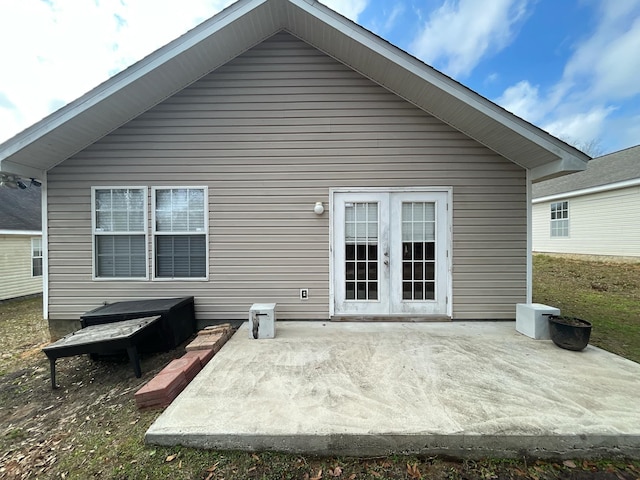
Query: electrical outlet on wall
[[304, 294]]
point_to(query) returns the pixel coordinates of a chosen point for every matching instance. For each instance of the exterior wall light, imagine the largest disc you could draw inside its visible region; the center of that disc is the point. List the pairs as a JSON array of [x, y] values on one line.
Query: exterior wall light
[[318, 208]]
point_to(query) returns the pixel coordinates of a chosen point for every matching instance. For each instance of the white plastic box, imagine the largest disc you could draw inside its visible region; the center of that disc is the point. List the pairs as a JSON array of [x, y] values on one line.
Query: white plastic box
[[262, 320], [532, 319]]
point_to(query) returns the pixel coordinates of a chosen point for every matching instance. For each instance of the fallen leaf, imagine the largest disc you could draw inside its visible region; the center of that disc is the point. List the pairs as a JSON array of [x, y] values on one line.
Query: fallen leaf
[[352, 476], [569, 463], [213, 467], [336, 472], [255, 457], [413, 471], [318, 476], [170, 458]]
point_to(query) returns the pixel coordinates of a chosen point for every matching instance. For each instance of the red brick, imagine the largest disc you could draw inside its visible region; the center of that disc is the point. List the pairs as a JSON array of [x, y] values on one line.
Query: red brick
[[224, 328], [202, 355], [162, 385], [189, 366], [207, 342]]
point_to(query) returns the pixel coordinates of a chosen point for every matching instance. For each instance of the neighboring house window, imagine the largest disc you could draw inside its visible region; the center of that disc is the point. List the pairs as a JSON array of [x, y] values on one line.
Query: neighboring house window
[[36, 257], [560, 219], [180, 232], [119, 232]]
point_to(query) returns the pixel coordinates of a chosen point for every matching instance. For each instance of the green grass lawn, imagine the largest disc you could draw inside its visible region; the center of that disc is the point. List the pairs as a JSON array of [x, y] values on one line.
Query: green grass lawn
[[606, 294]]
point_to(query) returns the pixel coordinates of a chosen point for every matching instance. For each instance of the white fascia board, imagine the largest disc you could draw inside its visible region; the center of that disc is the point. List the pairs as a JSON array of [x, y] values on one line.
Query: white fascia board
[[439, 80], [588, 191], [125, 78], [24, 233], [20, 170], [564, 165]]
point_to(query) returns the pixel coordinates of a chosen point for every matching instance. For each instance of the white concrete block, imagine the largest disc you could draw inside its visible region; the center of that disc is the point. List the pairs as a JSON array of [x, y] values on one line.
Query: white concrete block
[[532, 319], [262, 320]]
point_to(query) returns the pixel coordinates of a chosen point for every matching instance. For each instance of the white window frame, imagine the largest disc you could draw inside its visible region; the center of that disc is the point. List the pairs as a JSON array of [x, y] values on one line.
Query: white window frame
[[94, 233], [155, 233], [36, 257], [557, 221]]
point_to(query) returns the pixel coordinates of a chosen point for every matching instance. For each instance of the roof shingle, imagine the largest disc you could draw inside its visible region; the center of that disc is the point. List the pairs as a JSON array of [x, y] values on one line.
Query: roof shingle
[[612, 168], [20, 209]]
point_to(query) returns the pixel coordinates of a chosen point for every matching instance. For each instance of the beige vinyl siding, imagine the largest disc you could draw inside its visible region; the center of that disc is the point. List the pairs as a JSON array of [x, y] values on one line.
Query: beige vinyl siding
[[599, 224], [269, 134], [16, 278]]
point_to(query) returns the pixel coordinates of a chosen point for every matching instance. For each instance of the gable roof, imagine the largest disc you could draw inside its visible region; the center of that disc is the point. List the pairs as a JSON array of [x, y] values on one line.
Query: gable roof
[[247, 23], [614, 170], [20, 210]]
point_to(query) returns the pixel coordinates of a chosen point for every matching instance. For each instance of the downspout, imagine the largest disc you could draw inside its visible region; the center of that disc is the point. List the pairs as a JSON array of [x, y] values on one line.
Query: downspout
[[45, 248], [529, 298]]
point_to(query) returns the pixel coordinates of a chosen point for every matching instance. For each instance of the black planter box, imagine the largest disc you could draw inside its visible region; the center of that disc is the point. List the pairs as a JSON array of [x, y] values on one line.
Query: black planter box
[[177, 322]]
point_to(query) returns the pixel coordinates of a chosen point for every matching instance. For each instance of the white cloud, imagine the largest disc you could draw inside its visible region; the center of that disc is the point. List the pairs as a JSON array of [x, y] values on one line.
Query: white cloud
[[60, 49], [601, 73], [460, 33], [523, 99], [579, 128], [609, 60], [349, 8], [392, 18]]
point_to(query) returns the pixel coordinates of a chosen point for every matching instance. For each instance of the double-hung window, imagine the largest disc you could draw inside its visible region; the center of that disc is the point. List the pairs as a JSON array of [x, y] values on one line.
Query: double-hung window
[[36, 257], [560, 219], [180, 232], [119, 232]]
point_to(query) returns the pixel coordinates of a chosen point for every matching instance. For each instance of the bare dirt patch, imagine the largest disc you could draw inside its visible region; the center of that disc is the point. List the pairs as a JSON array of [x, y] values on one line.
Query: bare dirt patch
[[38, 425]]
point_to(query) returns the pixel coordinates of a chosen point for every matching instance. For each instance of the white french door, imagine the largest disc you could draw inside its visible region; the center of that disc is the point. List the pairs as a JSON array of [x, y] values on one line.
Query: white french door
[[390, 253]]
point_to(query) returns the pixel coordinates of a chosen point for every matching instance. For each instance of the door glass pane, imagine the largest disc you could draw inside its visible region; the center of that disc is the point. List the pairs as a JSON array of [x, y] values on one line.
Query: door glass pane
[[361, 251], [418, 250]]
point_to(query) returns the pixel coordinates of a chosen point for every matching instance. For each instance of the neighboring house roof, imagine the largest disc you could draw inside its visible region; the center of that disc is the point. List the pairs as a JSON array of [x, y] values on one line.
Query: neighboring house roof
[[20, 210], [244, 25], [614, 170]]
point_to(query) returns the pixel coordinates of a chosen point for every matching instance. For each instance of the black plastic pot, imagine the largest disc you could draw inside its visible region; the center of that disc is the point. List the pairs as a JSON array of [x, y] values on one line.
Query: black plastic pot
[[569, 332]]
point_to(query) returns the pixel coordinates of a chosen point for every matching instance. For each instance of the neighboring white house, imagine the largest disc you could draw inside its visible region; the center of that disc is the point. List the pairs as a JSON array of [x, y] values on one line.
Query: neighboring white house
[[279, 152], [20, 242], [593, 212]]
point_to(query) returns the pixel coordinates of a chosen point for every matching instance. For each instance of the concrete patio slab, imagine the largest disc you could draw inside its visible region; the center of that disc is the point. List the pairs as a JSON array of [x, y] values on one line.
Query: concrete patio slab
[[467, 389]]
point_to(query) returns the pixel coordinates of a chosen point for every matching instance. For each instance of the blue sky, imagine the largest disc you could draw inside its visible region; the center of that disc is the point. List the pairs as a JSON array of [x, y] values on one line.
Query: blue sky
[[571, 67]]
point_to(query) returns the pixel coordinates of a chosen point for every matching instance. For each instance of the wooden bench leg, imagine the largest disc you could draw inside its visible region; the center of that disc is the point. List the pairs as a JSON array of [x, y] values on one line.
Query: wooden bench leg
[[134, 360], [52, 362]]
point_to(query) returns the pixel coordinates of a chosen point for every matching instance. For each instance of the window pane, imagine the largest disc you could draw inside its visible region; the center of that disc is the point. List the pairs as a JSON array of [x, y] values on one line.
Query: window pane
[[120, 256], [180, 210], [179, 221], [418, 221], [181, 256], [559, 219], [103, 199], [103, 221], [36, 247], [37, 267]]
